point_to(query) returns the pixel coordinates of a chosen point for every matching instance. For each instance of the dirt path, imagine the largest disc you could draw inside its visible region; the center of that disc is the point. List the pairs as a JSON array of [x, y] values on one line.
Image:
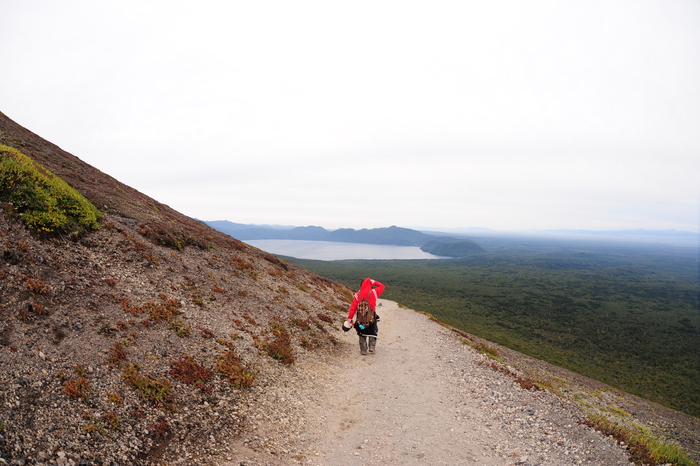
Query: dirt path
[[394, 407], [426, 398]]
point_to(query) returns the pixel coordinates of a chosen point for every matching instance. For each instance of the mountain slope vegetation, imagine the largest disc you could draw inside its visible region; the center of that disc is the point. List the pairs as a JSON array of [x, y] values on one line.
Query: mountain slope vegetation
[[122, 344], [44, 202]]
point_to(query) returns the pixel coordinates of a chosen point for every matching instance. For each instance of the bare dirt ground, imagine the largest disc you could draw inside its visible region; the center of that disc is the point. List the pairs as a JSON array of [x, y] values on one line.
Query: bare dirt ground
[[424, 398]]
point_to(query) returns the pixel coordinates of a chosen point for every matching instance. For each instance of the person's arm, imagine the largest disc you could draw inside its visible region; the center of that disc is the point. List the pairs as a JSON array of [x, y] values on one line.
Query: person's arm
[[353, 307], [379, 287]]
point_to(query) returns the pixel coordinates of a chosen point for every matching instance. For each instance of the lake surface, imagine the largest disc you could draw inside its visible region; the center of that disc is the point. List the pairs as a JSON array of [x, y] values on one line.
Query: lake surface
[[332, 251]]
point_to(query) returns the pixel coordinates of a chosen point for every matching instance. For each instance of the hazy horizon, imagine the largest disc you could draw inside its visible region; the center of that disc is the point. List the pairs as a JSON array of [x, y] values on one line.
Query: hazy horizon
[[464, 229], [507, 115]]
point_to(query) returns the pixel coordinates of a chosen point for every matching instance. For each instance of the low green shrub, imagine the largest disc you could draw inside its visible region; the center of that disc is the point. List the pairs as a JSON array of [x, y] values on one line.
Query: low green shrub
[[644, 449], [148, 387], [114, 421], [45, 202], [95, 429], [180, 328]]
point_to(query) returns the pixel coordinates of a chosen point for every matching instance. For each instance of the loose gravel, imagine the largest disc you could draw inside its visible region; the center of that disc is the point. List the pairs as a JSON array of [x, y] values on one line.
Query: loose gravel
[[423, 398]]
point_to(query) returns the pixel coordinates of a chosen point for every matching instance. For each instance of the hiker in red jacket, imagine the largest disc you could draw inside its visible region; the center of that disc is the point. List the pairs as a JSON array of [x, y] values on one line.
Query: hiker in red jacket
[[369, 294]]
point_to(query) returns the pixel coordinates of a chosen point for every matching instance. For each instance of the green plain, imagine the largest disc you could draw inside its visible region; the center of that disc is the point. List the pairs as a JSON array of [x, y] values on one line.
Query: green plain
[[625, 314]]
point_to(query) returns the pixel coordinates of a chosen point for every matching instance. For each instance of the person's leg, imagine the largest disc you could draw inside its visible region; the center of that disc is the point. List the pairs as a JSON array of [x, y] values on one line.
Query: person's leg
[[373, 331], [372, 343], [363, 344]]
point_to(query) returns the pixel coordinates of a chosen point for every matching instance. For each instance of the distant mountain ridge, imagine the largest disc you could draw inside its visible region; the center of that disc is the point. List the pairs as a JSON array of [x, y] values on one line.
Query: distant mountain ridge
[[393, 235]]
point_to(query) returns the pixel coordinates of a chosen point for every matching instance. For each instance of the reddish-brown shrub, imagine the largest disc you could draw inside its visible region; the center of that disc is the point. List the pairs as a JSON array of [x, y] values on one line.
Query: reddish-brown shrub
[[78, 388], [242, 264], [117, 354], [231, 366], [188, 371], [161, 311], [115, 423], [303, 324], [206, 333], [115, 398], [36, 286], [159, 428], [281, 347], [325, 318]]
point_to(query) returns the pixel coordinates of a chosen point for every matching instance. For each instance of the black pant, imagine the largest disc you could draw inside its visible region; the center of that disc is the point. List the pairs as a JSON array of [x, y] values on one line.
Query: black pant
[[371, 330]]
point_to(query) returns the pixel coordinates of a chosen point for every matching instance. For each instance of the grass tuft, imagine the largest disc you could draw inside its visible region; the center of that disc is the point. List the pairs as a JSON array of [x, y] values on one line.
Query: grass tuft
[[643, 448], [158, 391], [114, 421], [180, 328]]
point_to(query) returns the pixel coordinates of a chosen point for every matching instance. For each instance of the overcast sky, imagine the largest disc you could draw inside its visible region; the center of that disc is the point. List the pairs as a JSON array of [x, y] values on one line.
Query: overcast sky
[[498, 114]]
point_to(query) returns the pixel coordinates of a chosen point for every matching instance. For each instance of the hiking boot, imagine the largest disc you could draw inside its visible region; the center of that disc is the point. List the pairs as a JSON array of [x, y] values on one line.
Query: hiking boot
[[372, 344], [363, 344]]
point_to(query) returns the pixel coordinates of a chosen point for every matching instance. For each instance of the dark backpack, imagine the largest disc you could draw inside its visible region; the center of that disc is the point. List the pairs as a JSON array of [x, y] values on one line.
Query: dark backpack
[[365, 314]]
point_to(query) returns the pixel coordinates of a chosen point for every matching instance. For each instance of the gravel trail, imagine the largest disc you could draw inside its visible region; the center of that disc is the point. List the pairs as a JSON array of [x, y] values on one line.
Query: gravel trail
[[424, 398], [427, 398]]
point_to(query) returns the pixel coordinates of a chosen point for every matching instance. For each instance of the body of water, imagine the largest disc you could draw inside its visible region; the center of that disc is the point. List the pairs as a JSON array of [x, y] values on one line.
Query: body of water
[[331, 251]]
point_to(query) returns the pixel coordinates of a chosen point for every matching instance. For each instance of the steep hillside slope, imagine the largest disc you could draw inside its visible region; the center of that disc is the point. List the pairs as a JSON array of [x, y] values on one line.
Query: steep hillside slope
[[127, 345]]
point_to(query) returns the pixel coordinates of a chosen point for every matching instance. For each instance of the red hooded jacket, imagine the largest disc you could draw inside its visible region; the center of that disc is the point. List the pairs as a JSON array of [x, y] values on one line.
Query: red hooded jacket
[[366, 290]]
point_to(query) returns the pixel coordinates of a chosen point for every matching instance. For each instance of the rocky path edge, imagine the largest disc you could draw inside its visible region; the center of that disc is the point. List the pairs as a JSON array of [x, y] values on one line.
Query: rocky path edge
[[423, 398]]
